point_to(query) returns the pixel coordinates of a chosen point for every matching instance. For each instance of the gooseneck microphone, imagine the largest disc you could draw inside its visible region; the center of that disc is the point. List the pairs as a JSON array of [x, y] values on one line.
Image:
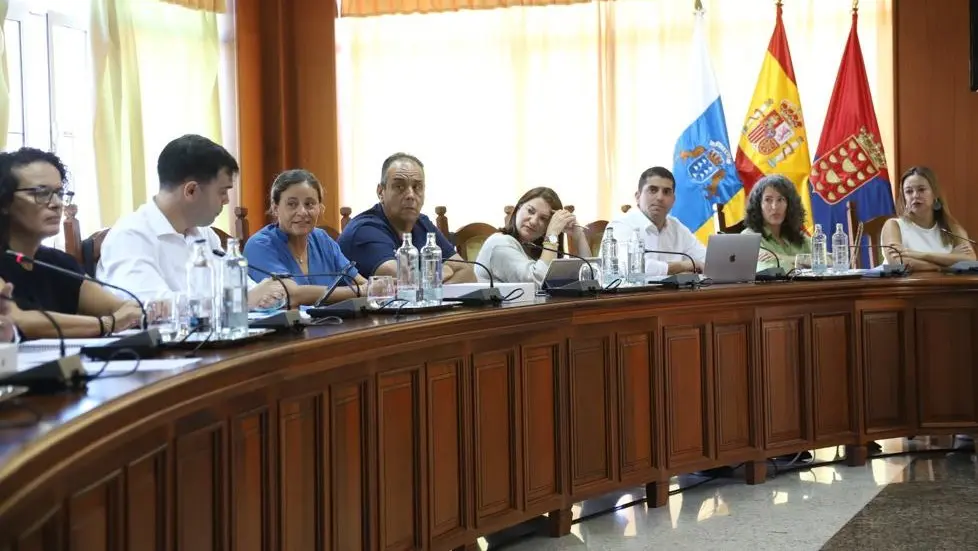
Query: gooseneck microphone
[[771, 274], [677, 280], [886, 270], [142, 343], [962, 266], [21, 258], [479, 297], [578, 288], [65, 372]]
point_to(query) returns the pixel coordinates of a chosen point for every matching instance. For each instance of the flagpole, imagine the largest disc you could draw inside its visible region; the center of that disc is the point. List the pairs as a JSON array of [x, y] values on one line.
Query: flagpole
[[855, 6], [697, 5]]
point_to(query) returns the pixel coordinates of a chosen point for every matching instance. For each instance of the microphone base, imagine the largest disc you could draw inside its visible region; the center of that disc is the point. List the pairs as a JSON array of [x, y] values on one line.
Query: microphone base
[[889, 270], [145, 344], [280, 321], [582, 288], [481, 297], [681, 280], [345, 309], [963, 267], [771, 274], [53, 377]]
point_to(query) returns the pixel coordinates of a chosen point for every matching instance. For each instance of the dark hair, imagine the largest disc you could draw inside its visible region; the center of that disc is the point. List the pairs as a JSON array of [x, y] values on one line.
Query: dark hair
[[192, 157], [660, 171], [11, 161], [793, 227], [393, 159], [548, 195], [942, 215], [293, 177]]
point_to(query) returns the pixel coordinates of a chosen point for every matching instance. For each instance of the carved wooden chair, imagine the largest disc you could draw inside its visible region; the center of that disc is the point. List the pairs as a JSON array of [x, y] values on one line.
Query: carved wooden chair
[[470, 237], [721, 222], [872, 230]]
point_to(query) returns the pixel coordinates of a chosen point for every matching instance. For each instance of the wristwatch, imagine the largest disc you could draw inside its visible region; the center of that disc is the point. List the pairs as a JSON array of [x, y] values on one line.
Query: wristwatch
[[551, 240]]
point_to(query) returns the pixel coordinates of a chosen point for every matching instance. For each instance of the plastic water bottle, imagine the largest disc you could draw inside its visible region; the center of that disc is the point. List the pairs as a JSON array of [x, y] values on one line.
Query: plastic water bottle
[[408, 273], [819, 251], [840, 250], [636, 259], [610, 269], [200, 289], [234, 296], [431, 262]]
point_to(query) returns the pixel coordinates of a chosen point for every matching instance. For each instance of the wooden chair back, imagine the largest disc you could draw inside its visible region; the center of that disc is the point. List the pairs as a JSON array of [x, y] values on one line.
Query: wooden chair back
[[330, 231], [872, 230], [721, 222], [470, 237], [241, 226], [91, 251]]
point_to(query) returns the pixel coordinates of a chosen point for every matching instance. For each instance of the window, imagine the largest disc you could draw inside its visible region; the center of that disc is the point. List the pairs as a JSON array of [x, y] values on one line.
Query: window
[[51, 108]]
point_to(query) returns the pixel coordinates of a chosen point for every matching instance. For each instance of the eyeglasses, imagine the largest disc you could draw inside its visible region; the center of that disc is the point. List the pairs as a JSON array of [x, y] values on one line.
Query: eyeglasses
[[44, 194]]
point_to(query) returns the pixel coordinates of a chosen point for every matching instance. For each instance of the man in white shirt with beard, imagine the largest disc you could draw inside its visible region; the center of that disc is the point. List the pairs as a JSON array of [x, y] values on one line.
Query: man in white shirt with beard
[[655, 197]]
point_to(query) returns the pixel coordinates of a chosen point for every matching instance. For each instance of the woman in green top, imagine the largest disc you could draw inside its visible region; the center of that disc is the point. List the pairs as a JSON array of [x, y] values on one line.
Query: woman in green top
[[774, 210]]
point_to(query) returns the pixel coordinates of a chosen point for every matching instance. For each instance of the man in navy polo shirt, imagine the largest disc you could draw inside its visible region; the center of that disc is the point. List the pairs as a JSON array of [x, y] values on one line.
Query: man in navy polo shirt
[[372, 236]]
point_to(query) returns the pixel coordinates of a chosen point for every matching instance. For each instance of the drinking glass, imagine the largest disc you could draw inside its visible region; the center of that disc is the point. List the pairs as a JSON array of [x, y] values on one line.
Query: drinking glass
[[380, 291], [803, 262]]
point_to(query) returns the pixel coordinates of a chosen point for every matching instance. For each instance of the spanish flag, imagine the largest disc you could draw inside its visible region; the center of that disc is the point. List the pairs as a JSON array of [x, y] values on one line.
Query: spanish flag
[[773, 139]]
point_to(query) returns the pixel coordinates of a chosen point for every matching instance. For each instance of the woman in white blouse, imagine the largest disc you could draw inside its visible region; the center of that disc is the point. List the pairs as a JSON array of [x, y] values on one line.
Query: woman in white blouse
[[925, 234], [539, 218]]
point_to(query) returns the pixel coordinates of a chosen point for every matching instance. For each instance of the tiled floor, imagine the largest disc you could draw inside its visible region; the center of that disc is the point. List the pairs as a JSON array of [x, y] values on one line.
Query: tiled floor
[[797, 510]]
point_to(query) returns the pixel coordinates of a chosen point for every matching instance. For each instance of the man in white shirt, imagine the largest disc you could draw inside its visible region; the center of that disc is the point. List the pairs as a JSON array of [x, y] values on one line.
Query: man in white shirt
[[147, 251], [655, 198]]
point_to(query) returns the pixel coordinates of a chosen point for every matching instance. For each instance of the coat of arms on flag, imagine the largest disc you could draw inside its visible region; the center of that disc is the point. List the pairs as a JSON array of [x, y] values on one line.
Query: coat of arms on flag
[[708, 165], [847, 166]]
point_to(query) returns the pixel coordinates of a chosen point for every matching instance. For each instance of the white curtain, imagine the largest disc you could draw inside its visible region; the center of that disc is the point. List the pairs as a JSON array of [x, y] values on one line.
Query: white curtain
[[576, 97]]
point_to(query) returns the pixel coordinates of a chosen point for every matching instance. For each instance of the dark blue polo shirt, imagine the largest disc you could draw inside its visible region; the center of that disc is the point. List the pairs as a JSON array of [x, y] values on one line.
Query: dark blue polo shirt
[[370, 240]]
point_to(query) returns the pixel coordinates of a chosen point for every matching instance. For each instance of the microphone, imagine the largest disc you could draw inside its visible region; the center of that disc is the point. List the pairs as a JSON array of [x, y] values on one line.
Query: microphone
[[677, 280], [141, 343], [579, 288], [479, 297], [771, 274], [887, 270], [349, 308], [63, 373], [962, 266]]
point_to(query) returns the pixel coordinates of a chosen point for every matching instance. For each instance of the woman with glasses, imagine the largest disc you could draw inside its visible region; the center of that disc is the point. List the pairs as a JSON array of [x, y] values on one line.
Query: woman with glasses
[[32, 197], [294, 245]]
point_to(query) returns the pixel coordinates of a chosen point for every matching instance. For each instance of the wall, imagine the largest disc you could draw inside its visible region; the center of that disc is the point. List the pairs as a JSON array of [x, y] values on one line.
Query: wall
[[287, 98], [936, 113]]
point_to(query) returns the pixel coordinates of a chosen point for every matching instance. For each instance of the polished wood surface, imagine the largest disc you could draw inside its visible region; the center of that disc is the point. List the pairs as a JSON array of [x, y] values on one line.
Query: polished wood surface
[[427, 432]]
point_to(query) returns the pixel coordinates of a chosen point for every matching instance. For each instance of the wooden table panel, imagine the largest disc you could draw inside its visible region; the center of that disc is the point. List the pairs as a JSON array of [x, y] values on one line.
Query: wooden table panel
[[430, 431]]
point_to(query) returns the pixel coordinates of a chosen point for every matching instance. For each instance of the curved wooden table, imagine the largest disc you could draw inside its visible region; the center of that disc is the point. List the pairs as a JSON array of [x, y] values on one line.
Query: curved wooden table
[[429, 432]]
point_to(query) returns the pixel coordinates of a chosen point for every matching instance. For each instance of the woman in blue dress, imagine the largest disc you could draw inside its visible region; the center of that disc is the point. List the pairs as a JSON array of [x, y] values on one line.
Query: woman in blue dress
[[294, 245]]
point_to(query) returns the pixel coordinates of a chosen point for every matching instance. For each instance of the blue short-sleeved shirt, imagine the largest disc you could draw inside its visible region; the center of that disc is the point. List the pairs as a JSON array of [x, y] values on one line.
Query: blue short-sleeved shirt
[[370, 240], [268, 249]]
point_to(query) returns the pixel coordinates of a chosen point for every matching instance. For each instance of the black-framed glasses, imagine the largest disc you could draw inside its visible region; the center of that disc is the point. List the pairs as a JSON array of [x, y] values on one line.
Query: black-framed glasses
[[43, 194]]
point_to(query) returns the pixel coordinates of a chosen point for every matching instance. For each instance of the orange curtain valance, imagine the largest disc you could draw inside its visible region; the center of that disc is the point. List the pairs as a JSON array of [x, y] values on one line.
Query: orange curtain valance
[[214, 6], [366, 8]]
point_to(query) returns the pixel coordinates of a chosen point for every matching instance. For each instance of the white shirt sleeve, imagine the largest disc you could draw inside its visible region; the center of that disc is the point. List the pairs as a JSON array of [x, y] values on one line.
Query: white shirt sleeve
[[692, 246], [505, 258], [127, 261]]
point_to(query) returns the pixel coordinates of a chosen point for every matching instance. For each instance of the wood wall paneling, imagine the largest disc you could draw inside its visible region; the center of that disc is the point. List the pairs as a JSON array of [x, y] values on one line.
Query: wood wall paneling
[[147, 500], [349, 440], [399, 426], [687, 381], [936, 113], [541, 385], [200, 489], [637, 399], [303, 480], [834, 377], [448, 456]]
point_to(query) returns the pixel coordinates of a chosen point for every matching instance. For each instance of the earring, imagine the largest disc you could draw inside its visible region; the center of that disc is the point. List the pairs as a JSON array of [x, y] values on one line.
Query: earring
[[937, 204]]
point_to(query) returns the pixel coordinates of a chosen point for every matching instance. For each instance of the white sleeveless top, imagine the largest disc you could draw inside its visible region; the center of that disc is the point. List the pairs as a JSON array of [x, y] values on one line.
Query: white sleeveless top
[[926, 240]]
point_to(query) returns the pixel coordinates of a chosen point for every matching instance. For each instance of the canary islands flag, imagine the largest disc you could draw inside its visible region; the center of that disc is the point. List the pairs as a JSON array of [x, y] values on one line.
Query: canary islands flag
[[773, 139], [850, 164], [703, 164]]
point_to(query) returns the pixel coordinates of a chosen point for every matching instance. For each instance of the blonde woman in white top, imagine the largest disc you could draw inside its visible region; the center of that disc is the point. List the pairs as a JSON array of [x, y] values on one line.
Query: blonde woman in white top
[[539, 218], [924, 233]]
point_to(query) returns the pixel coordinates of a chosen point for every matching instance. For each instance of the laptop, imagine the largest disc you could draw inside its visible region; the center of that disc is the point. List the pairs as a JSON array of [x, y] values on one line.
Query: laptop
[[732, 257], [566, 270]]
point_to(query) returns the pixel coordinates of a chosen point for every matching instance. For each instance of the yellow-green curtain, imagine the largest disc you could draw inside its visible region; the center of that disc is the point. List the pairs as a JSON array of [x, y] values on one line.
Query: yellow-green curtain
[[120, 163], [214, 6], [4, 86], [156, 69]]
